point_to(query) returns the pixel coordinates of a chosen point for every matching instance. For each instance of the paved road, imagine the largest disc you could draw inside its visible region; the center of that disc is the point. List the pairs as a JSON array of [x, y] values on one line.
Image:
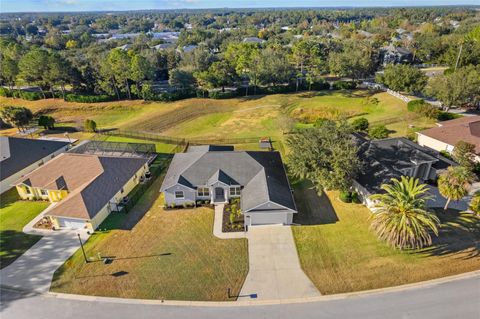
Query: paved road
[[274, 269], [455, 299]]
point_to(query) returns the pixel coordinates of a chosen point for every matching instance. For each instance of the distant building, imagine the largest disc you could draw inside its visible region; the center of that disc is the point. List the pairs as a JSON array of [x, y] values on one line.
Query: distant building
[[163, 46], [253, 40], [187, 48], [124, 47], [395, 55]]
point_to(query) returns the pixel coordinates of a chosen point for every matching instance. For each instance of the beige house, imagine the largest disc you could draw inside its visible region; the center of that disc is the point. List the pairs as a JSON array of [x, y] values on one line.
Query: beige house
[[447, 134], [83, 188]]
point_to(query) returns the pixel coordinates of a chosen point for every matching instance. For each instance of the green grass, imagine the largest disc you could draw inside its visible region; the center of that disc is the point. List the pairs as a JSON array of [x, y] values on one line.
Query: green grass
[[157, 254], [14, 215], [345, 256]]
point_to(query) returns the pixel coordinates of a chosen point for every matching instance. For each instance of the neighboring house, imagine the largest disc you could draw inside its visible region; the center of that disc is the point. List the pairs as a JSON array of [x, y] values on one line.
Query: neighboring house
[[447, 134], [390, 158], [83, 188], [394, 55], [187, 48], [125, 47], [20, 156], [253, 40], [163, 46], [217, 174]]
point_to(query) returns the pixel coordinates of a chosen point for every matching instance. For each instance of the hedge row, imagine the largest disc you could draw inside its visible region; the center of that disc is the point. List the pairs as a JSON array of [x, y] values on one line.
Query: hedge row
[[88, 98]]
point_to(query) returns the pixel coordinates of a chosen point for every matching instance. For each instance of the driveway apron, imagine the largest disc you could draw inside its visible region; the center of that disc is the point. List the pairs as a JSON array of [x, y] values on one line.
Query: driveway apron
[[274, 268]]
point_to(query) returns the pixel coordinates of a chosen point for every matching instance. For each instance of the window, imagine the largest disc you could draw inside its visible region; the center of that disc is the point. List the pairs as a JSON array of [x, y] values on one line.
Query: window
[[235, 191], [43, 192], [28, 190], [203, 191], [179, 195]]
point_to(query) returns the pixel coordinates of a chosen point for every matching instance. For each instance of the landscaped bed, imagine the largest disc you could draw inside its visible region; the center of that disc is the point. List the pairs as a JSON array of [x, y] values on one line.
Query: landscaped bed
[[14, 215], [157, 255], [340, 253], [232, 220]]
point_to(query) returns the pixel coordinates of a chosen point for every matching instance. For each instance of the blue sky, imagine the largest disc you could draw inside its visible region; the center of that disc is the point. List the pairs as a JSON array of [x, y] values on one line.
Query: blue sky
[[110, 5]]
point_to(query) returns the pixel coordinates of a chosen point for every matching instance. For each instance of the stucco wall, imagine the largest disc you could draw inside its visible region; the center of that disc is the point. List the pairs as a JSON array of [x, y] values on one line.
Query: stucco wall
[[8, 183], [432, 143]]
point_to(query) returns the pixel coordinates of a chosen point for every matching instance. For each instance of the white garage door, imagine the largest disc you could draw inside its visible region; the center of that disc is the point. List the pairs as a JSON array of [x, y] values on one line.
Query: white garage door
[[71, 223], [268, 218]]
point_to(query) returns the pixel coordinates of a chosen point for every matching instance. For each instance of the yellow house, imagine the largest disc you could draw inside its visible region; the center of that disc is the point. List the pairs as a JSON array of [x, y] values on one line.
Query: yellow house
[[83, 188]]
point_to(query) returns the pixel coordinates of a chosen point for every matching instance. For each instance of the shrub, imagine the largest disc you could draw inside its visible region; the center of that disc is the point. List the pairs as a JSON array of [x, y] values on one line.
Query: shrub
[[446, 154], [173, 96], [90, 125], [379, 132], [423, 108], [345, 197], [222, 95], [360, 125], [47, 122], [320, 85], [5, 92], [355, 198], [445, 116], [413, 105], [344, 85], [87, 98], [30, 96]]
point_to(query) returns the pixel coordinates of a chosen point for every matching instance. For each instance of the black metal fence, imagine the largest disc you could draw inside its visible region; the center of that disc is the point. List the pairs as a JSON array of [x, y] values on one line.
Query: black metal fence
[[181, 142]]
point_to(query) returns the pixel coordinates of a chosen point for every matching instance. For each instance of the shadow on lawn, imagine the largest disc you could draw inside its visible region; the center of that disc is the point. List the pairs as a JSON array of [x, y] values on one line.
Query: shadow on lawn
[[459, 234], [127, 221], [13, 244], [312, 209]]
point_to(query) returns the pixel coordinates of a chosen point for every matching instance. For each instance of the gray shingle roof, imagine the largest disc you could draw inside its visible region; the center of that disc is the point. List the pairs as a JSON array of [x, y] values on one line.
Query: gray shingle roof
[[385, 159], [25, 152], [261, 174]]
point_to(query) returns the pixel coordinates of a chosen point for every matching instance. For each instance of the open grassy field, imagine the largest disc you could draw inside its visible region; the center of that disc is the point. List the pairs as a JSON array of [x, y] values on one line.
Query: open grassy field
[[14, 215], [233, 118], [157, 254], [340, 254]]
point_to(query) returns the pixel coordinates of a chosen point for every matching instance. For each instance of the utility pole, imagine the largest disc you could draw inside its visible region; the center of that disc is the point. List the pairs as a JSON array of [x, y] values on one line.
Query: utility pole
[[83, 250]]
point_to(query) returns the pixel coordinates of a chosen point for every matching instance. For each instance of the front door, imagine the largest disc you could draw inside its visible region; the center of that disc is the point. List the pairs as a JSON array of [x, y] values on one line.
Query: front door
[[219, 194]]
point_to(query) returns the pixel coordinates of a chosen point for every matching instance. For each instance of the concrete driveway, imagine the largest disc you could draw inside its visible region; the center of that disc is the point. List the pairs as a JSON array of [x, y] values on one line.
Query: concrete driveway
[[274, 268], [33, 271]]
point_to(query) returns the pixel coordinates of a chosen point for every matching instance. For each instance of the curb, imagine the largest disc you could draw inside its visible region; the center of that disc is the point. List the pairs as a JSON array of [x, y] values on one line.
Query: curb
[[242, 303]]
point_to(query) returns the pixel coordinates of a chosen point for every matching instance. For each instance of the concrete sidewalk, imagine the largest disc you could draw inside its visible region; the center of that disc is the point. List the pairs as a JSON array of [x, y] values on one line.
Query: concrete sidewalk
[[274, 268]]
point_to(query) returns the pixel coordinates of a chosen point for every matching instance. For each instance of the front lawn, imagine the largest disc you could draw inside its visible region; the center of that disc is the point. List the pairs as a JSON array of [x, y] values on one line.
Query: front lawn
[[157, 255], [340, 254], [14, 215]]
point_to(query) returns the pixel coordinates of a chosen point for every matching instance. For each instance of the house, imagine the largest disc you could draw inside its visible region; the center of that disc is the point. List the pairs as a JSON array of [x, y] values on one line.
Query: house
[[394, 55], [125, 47], [83, 188], [218, 174], [187, 48], [447, 134], [390, 158], [253, 40], [20, 156], [163, 46]]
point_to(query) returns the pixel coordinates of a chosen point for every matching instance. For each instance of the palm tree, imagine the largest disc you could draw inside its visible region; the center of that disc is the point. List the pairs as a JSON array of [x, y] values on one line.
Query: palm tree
[[454, 183], [399, 215]]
